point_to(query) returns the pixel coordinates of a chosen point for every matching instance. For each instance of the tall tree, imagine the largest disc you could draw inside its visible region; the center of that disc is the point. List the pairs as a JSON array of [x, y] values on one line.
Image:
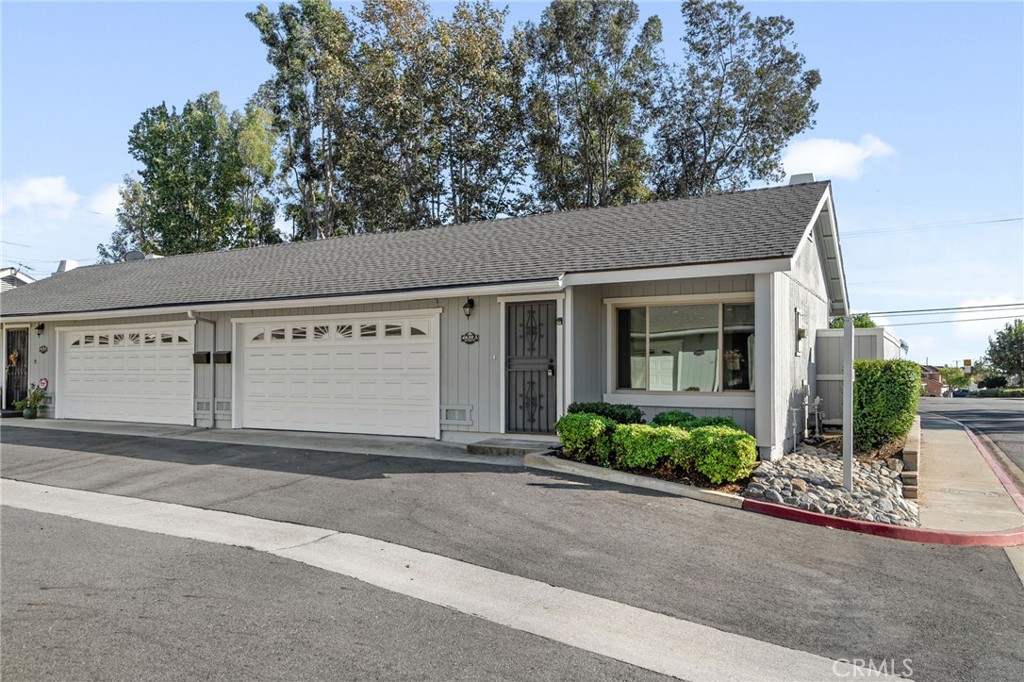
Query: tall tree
[[133, 232], [729, 110], [592, 82], [395, 156], [479, 102], [310, 47], [202, 184], [1006, 350]]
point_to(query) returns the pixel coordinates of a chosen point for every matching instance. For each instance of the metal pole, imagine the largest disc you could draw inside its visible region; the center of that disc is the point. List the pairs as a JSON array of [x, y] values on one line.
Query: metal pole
[[848, 337]]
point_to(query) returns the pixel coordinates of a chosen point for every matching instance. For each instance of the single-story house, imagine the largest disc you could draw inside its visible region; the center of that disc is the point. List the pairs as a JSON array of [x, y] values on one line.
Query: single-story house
[[13, 277], [707, 304]]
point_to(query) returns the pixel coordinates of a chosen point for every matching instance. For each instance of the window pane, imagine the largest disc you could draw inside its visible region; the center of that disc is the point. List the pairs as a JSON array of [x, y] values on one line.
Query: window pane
[[367, 330], [684, 348], [738, 339], [392, 330], [632, 348]]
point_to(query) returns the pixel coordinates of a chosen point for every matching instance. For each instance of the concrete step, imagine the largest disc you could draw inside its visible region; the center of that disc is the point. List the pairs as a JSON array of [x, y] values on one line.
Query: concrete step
[[509, 446]]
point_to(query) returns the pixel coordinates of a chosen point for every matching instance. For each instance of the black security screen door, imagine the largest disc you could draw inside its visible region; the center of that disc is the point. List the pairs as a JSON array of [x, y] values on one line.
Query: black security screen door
[[16, 362], [530, 351]]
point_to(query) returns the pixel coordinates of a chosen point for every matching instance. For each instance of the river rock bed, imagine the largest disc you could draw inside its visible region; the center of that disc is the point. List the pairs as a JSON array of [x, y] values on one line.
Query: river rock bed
[[812, 479]]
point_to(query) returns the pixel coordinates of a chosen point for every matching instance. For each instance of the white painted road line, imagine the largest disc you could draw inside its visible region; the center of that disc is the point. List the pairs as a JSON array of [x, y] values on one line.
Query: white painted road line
[[649, 640]]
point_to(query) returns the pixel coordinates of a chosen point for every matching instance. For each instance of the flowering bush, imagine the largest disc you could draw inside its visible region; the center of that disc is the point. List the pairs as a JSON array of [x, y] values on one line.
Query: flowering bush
[[35, 398]]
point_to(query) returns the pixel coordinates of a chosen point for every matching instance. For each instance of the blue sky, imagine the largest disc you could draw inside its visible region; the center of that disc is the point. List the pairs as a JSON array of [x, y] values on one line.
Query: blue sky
[[920, 127]]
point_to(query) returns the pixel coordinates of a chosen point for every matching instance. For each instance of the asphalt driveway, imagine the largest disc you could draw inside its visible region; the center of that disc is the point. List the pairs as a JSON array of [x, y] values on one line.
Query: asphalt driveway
[[957, 612]]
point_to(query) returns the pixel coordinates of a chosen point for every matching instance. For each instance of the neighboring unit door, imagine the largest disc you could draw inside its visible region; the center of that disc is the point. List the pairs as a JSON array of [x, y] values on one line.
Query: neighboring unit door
[[132, 374], [16, 364], [531, 353], [373, 375]]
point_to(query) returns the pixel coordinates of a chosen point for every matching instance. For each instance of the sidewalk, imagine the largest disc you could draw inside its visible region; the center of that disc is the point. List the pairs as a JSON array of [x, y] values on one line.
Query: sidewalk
[[958, 491]]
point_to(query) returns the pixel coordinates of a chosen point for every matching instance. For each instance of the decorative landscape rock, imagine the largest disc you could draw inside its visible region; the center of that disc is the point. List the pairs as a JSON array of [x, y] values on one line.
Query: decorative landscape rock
[[811, 479]]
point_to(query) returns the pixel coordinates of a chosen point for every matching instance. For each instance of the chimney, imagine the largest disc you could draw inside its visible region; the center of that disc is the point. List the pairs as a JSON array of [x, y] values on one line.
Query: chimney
[[801, 178], [66, 266]]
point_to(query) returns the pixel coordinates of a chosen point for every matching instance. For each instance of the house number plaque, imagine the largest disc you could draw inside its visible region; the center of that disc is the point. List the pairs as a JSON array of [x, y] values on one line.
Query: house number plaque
[[470, 337], [43, 349]]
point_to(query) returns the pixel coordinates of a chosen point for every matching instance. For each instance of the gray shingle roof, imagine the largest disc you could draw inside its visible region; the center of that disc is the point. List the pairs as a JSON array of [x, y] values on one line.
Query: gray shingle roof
[[742, 226]]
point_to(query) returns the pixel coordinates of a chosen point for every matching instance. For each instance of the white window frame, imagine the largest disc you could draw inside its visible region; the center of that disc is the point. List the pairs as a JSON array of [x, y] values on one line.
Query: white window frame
[[741, 399]]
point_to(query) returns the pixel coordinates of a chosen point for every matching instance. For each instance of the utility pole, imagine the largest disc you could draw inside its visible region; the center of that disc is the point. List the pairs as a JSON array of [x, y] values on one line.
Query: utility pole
[[848, 378]]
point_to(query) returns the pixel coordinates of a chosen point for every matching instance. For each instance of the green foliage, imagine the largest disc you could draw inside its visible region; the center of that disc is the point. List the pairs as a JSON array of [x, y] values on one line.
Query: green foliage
[[1001, 393], [203, 185], [685, 420], [622, 414], [954, 377], [885, 398], [35, 400], [993, 381], [860, 321], [592, 83], [640, 446], [723, 454], [1006, 350], [730, 109], [586, 437]]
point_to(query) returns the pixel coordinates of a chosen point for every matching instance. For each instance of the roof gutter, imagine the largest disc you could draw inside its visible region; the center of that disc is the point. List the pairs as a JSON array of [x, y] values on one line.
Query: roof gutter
[[541, 286]]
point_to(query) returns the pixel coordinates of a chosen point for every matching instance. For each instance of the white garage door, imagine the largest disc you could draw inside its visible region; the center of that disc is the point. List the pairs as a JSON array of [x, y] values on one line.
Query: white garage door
[[138, 374], [375, 375]]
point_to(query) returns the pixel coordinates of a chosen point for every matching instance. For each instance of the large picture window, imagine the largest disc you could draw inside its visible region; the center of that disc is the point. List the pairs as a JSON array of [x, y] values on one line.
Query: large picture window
[[686, 348]]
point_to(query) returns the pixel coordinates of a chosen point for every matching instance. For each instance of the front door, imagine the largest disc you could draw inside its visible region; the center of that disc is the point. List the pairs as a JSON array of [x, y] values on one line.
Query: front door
[[16, 374], [531, 353]]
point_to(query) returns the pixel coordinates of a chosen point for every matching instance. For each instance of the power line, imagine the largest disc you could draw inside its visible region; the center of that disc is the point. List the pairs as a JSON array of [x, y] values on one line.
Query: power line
[[955, 309], [976, 319], [933, 226]]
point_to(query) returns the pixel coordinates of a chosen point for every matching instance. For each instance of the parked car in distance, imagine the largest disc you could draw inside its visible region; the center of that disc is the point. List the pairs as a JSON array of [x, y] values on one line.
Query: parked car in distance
[[961, 393]]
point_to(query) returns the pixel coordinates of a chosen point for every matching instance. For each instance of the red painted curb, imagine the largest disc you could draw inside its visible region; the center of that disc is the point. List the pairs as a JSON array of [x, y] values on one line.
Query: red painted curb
[[1000, 538]]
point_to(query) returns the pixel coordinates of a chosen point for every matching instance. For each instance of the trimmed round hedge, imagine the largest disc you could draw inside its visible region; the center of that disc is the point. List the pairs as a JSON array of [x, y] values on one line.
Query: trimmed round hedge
[[723, 454]]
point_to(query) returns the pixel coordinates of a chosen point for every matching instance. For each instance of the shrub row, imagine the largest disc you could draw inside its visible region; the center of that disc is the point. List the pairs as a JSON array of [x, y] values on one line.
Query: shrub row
[[721, 454], [1001, 393], [620, 414], [885, 397], [685, 420]]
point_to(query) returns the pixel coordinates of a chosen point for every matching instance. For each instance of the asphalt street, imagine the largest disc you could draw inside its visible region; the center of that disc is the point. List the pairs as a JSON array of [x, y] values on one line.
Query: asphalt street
[[1001, 419], [957, 613]]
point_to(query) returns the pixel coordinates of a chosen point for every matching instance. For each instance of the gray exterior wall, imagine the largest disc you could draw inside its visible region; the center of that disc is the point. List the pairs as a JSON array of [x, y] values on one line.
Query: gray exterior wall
[[804, 290], [590, 350], [868, 344], [470, 374]]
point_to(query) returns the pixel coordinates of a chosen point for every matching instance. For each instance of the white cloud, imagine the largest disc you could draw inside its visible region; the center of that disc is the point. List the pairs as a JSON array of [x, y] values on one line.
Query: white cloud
[[106, 201], [50, 196], [834, 159]]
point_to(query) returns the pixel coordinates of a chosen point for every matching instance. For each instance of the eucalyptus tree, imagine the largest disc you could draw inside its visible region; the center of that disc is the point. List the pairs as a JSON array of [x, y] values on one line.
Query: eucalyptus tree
[[593, 77], [479, 104], [310, 47], [730, 109]]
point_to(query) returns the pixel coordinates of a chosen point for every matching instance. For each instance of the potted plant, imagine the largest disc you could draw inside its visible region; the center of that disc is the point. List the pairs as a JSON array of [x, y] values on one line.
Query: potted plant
[[34, 402]]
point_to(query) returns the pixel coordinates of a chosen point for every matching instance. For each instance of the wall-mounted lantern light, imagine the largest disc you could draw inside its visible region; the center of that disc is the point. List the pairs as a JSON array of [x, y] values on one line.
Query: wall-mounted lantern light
[[468, 308], [39, 329]]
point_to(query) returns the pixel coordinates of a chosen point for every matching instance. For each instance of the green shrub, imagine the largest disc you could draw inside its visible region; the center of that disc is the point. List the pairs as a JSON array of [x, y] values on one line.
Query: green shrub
[[722, 454], [586, 437], [1001, 393], [885, 397], [685, 420], [639, 446], [621, 414]]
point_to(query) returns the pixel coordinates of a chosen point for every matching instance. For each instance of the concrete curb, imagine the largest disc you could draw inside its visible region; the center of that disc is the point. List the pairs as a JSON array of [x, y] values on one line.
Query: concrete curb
[[1011, 537], [1005, 538], [565, 466]]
